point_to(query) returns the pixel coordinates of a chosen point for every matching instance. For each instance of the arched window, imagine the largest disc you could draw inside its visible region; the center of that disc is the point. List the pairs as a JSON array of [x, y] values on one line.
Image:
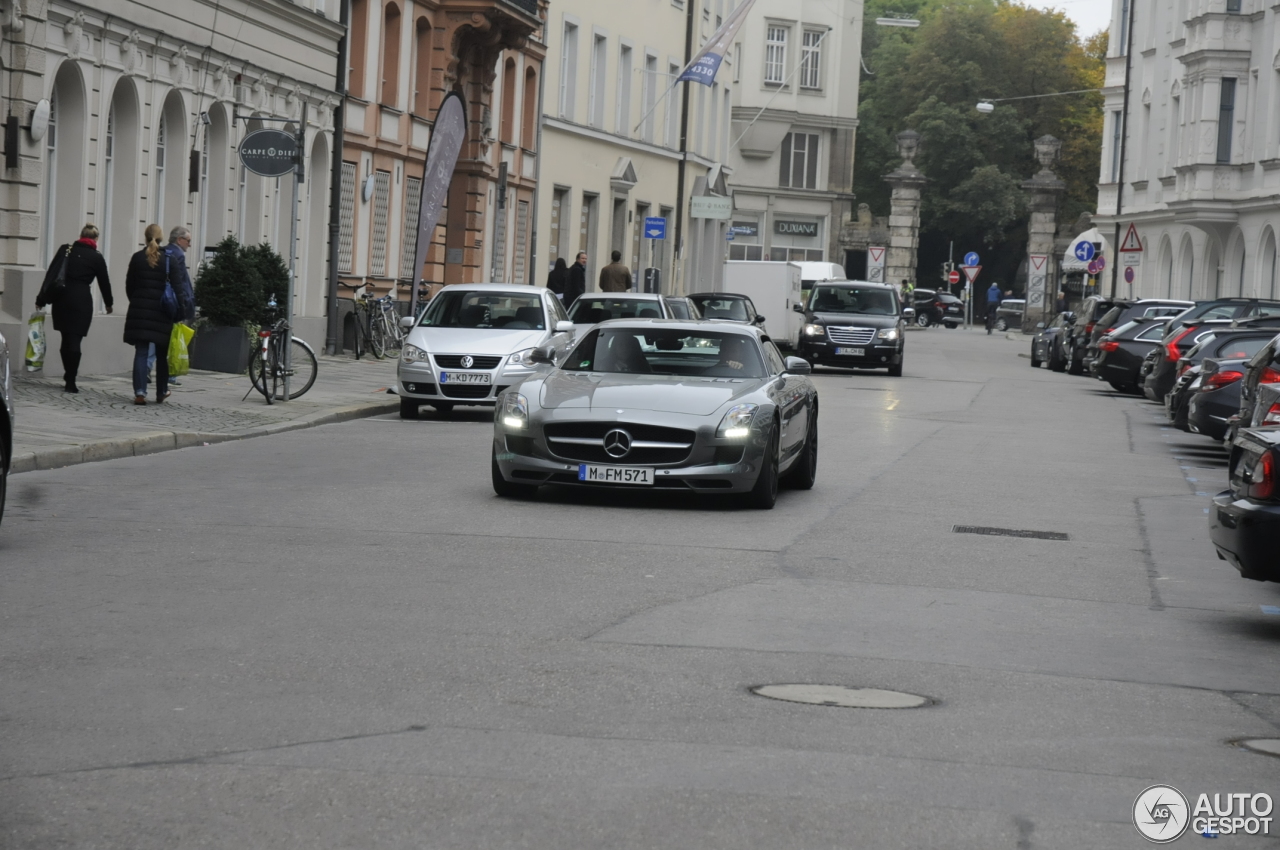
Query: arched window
[[65, 201], [422, 67], [359, 46], [123, 158], [215, 226], [162, 146], [1268, 267], [390, 55], [507, 129], [529, 133]]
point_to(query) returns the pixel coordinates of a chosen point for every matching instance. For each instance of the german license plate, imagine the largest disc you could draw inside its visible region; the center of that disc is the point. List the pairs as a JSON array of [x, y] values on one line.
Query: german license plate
[[592, 473], [851, 352], [464, 378]]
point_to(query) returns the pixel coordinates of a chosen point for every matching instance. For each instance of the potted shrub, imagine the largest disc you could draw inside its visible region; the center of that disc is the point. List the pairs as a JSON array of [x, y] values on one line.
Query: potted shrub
[[231, 294]]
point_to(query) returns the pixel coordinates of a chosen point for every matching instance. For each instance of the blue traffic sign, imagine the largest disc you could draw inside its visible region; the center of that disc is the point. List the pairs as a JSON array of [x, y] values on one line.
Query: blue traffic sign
[[655, 227], [971, 259], [1084, 251]]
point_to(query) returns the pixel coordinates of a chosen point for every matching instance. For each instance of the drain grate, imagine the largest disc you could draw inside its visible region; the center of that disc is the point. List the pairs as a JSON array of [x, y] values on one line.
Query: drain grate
[[840, 696], [1009, 532]]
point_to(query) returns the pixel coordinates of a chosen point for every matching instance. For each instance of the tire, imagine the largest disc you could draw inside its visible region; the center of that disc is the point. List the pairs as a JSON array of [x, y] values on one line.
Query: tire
[[764, 495], [409, 408], [896, 371], [377, 342], [505, 488], [805, 470], [1056, 363], [922, 319], [261, 377], [303, 366], [1002, 325]]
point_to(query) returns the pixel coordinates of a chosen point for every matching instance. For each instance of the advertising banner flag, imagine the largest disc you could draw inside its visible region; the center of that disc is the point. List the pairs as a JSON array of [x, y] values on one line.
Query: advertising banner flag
[[706, 62], [447, 136]]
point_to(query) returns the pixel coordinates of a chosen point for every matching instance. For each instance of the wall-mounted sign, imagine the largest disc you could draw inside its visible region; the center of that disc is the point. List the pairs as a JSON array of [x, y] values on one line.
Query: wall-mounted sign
[[269, 153], [746, 228], [710, 206], [795, 228]]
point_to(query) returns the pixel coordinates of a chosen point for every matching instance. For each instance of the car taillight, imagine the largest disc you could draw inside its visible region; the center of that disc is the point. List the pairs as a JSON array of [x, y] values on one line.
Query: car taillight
[[1171, 350], [1269, 376], [1220, 379], [1088, 328], [1108, 345], [1262, 480], [1272, 416], [1183, 366]]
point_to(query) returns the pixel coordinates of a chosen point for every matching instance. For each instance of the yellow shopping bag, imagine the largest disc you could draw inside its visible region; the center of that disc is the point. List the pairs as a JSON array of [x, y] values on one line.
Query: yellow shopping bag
[[179, 356]]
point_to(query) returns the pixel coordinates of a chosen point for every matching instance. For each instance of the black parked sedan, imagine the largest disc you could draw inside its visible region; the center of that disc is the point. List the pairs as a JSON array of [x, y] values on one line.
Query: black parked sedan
[[1046, 345], [853, 325], [1178, 340], [1225, 344], [1245, 520], [1217, 399], [1121, 352]]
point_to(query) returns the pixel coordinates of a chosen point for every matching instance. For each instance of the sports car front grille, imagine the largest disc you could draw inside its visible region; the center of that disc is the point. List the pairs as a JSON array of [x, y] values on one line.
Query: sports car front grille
[[851, 336], [454, 361], [584, 442]]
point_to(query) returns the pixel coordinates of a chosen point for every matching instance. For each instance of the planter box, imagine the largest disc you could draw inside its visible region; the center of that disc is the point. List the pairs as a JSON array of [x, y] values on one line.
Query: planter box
[[218, 349]]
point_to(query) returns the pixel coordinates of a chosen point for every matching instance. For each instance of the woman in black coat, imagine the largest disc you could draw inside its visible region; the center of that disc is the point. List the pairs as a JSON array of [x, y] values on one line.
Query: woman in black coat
[[558, 278], [73, 310], [147, 322]]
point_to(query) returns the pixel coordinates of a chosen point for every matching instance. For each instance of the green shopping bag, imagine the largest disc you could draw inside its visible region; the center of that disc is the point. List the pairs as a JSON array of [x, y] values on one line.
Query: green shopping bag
[[179, 355], [35, 342]]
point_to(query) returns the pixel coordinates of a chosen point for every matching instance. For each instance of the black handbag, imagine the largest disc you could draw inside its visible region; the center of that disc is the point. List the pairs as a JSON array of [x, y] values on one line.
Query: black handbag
[[54, 282]]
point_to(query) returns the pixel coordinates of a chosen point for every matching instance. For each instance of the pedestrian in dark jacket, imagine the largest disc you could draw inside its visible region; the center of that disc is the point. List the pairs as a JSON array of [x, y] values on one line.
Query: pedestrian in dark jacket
[[73, 310], [558, 278], [577, 279], [147, 321]]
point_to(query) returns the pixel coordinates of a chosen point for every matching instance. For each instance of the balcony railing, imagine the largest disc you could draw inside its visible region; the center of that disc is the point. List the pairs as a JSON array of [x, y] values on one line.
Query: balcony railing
[[529, 7]]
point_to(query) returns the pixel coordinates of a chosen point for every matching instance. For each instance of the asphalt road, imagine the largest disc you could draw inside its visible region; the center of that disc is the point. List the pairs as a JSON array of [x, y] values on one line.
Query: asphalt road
[[341, 638]]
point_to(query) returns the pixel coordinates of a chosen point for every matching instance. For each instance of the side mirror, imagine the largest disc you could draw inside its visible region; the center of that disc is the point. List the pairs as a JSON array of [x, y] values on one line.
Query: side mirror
[[797, 366], [543, 354], [908, 312], [406, 322], [1040, 326], [798, 307], [758, 320], [564, 326]]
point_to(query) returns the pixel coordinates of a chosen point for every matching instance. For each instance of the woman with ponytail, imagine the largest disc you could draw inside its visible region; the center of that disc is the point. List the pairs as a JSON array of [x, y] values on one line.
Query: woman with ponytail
[[148, 323]]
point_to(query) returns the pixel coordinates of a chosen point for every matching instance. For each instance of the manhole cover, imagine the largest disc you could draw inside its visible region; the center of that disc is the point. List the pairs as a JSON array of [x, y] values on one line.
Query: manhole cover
[[840, 696], [1270, 746]]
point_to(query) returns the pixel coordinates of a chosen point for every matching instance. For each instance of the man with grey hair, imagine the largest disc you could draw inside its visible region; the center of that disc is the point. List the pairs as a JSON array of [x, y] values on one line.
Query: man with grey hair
[[175, 259]]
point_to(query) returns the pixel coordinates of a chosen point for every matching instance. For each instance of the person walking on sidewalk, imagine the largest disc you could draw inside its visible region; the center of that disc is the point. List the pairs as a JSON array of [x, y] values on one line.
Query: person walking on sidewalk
[[577, 280], [147, 321], [615, 277], [993, 304], [73, 310], [558, 278]]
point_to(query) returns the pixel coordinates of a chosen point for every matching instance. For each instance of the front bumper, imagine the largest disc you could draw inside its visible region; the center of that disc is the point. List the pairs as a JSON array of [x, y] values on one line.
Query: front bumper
[[1247, 535], [421, 381], [877, 354], [528, 459]]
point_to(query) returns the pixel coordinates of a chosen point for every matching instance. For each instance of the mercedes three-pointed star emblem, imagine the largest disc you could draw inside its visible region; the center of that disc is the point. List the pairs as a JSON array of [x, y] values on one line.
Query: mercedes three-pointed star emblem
[[617, 443]]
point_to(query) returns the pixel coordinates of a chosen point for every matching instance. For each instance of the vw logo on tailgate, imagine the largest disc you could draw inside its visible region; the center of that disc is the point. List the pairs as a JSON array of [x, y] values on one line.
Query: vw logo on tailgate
[[468, 361], [617, 443]]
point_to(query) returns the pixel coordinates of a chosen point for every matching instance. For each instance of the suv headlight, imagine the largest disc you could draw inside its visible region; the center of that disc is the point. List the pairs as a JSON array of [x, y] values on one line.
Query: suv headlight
[[887, 333], [737, 422], [515, 411], [814, 330], [412, 354]]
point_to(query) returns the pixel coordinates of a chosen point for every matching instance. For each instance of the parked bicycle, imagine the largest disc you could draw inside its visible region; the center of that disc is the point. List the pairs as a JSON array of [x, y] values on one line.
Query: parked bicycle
[[272, 361], [378, 328]]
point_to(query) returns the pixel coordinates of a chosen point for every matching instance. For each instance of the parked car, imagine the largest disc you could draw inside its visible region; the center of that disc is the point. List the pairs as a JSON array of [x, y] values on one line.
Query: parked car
[[1009, 313], [1127, 311], [937, 308], [6, 421], [1121, 352], [1178, 340], [1046, 345], [475, 340], [1146, 370], [728, 307], [854, 325], [1244, 522], [1228, 309], [1224, 344], [1263, 370], [682, 308], [596, 307], [1075, 340], [657, 404], [1217, 399], [1178, 398]]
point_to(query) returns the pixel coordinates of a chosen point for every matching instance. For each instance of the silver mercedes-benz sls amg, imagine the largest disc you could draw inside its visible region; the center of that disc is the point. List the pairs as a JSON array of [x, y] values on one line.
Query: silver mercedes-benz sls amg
[[661, 403]]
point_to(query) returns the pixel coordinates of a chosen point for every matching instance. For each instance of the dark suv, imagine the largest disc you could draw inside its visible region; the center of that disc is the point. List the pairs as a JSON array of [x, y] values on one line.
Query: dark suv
[[937, 308], [853, 325]]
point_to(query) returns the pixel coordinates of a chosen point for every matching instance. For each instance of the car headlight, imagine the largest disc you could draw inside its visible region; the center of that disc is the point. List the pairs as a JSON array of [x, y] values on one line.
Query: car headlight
[[887, 333], [412, 354], [737, 422], [814, 330], [515, 411], [521, 358]]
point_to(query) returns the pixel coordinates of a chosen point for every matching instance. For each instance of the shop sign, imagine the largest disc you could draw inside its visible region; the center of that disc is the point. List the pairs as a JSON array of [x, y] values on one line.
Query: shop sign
[[795, 228]]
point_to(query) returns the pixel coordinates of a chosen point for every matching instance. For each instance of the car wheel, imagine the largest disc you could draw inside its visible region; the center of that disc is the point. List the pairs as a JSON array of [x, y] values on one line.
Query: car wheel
[[443, 407], [802, 474], [765, 494], [1076, 367], [922, 319], [1002, 325], [505, 488], [409, 408], [1056, 363]]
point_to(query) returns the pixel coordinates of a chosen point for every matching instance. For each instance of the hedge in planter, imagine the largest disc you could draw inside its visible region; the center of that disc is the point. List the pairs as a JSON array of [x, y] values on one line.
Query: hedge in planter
[[232, 292]]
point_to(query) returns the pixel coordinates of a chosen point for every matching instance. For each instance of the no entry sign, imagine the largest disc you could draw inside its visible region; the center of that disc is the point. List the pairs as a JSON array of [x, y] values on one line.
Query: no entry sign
[[953, 277]]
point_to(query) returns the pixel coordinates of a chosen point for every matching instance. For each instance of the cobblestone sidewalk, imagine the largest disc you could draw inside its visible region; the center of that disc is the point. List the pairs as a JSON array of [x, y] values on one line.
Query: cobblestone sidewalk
[[101, 422]]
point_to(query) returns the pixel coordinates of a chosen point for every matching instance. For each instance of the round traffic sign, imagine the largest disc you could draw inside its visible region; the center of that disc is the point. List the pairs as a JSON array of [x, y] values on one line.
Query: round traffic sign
[[1094, 268], [953, 277], [971, 258], [1084, 251], [269, 153], [1101, 261], [1128, 274]]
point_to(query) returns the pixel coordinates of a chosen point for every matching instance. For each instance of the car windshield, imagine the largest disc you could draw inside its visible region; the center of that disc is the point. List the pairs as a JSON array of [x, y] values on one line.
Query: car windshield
[[488, 310], [849, 299], [590, 310], [649, 351], [712, 307]]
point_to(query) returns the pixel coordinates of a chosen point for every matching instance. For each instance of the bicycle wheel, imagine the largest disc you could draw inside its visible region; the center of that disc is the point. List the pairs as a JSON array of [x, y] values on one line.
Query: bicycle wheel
[[377, 341], [259, 375], [391, 327], [302, 369]]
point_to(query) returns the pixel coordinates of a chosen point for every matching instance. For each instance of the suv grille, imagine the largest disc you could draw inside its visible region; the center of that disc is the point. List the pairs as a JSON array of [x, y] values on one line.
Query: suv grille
[[679, 442], [454, 361], [851, 336]]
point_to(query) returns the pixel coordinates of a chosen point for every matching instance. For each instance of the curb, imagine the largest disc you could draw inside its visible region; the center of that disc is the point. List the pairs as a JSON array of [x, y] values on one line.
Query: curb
[[163, 441]]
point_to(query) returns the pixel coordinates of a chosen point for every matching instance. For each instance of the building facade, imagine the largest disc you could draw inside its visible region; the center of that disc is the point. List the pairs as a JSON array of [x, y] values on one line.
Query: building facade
[[1196, 167], [611, 129], [404, 56], [145, 121], [795, 115]]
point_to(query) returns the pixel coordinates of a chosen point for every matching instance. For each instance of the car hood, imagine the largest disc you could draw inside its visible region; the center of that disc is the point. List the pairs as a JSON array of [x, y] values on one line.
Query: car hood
[[475, 341], [855, 320], [662, 393]]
